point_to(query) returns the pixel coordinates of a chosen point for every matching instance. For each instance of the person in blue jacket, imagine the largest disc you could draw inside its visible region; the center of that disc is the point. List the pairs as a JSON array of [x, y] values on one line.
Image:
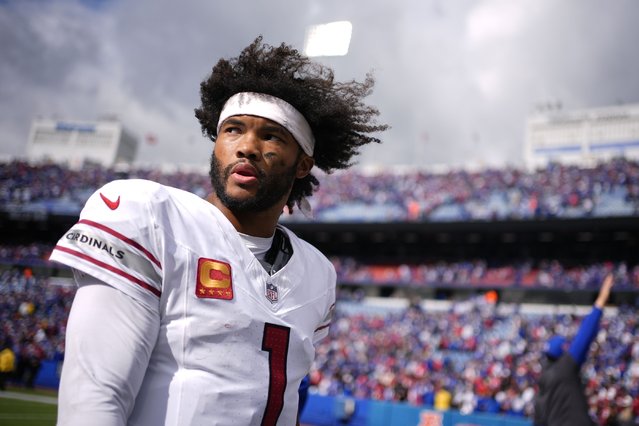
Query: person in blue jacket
[[560, 400], [302, 392]]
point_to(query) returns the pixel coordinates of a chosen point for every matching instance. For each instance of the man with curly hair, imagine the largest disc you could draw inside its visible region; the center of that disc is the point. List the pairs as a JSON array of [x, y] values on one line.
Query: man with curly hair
[[193, 311]]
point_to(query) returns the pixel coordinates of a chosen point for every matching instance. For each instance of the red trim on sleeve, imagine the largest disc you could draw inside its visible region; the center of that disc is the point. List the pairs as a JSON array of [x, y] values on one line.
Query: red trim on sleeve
[[108, 267], [322, 327], [123, 238]]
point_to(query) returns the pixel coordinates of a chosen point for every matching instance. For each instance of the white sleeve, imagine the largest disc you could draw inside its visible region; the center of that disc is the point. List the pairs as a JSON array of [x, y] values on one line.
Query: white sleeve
[[322, 330], [109, 340], [115, 239]]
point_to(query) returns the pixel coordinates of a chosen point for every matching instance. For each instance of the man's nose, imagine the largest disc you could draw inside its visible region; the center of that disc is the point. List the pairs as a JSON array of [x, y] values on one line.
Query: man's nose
[[249, 146]]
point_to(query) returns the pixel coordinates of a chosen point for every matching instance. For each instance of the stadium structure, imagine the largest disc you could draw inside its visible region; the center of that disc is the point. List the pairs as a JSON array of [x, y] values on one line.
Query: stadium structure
[[582, 136], [73, 142]]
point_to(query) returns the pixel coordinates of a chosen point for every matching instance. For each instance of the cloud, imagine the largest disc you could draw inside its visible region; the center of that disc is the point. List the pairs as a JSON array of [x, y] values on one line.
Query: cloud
[[455, 80], [497, 19]]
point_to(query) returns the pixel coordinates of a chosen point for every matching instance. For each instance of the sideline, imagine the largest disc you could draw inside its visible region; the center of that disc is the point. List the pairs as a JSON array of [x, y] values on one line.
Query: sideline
[[28, 397]]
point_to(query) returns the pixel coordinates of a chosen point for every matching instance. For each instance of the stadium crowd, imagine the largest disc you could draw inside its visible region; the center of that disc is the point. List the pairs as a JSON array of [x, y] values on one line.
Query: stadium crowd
[[485, 359], [33, 316], [473, 358], [506, 193], [546, 274], [609, 188]]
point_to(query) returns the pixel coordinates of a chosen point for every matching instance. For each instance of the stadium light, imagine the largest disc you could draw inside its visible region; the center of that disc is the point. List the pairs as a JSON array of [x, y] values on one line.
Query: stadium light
[[330, 39]]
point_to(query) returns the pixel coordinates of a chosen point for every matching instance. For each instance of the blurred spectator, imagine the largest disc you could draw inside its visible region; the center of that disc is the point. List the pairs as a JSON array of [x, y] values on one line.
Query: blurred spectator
[[561, 398], [443, 397], [7, 364], [29, 362]]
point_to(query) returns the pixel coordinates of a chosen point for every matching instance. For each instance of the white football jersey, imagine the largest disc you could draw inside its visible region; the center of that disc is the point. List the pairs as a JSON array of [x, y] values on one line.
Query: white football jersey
[[234, 341]]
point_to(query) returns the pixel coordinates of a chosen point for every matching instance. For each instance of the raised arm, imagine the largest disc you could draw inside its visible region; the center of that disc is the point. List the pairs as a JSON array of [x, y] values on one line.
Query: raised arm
[[590, 324], [604, 292]]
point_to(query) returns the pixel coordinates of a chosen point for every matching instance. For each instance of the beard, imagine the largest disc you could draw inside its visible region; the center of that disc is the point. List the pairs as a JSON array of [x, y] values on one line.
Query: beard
[[270, 191]]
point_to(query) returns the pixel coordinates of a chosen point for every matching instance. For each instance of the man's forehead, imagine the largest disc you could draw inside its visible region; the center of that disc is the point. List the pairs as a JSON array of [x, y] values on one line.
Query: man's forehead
[[272, 108], [263, 122]]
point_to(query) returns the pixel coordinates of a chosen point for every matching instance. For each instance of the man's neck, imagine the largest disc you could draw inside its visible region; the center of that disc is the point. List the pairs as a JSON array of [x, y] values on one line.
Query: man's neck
[[257, 224]]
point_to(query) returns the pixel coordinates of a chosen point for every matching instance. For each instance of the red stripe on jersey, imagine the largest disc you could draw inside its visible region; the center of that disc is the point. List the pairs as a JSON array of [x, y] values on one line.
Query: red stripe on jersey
[[123, 238], [120, 272], [321, 327]]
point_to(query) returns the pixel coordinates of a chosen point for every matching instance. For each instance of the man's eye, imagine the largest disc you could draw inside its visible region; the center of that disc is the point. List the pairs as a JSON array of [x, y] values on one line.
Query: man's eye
[[272, 137]]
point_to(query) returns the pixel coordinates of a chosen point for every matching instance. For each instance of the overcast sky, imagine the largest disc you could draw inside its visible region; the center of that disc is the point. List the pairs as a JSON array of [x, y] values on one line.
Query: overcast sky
[[455, 78]]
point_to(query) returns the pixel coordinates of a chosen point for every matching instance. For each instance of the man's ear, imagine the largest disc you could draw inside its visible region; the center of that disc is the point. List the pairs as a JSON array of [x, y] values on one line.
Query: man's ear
[[304, 166]]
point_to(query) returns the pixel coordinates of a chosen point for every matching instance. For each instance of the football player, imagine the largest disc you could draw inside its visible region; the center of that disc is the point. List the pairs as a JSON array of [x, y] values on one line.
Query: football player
[[194, 311]]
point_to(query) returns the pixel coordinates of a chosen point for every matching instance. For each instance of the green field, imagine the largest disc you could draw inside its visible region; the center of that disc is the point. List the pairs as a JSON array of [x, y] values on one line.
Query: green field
[[20, 412]]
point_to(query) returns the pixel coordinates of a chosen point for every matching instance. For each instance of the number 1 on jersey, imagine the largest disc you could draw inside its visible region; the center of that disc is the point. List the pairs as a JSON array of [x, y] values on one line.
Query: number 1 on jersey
[[275, 342]]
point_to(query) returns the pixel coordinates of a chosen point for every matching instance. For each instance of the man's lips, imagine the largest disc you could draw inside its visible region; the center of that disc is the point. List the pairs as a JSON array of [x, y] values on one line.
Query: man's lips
[[244, 173]]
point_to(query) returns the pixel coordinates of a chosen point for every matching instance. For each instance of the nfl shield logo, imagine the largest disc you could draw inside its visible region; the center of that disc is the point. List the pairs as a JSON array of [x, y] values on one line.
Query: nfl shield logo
[[271, 292]]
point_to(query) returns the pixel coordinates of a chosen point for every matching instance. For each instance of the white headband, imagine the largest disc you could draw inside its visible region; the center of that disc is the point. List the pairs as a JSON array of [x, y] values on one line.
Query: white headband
[[272, 108]]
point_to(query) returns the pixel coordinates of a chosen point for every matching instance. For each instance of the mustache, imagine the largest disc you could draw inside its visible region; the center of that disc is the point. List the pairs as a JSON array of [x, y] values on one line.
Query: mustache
[[260, 173]]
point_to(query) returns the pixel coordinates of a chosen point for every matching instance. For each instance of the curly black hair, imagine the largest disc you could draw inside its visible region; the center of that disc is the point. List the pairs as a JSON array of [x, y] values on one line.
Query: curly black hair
[[340, 121]]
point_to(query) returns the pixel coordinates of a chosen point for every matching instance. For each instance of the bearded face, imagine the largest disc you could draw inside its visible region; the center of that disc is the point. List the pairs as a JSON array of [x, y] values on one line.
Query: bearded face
[[270, 188]]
